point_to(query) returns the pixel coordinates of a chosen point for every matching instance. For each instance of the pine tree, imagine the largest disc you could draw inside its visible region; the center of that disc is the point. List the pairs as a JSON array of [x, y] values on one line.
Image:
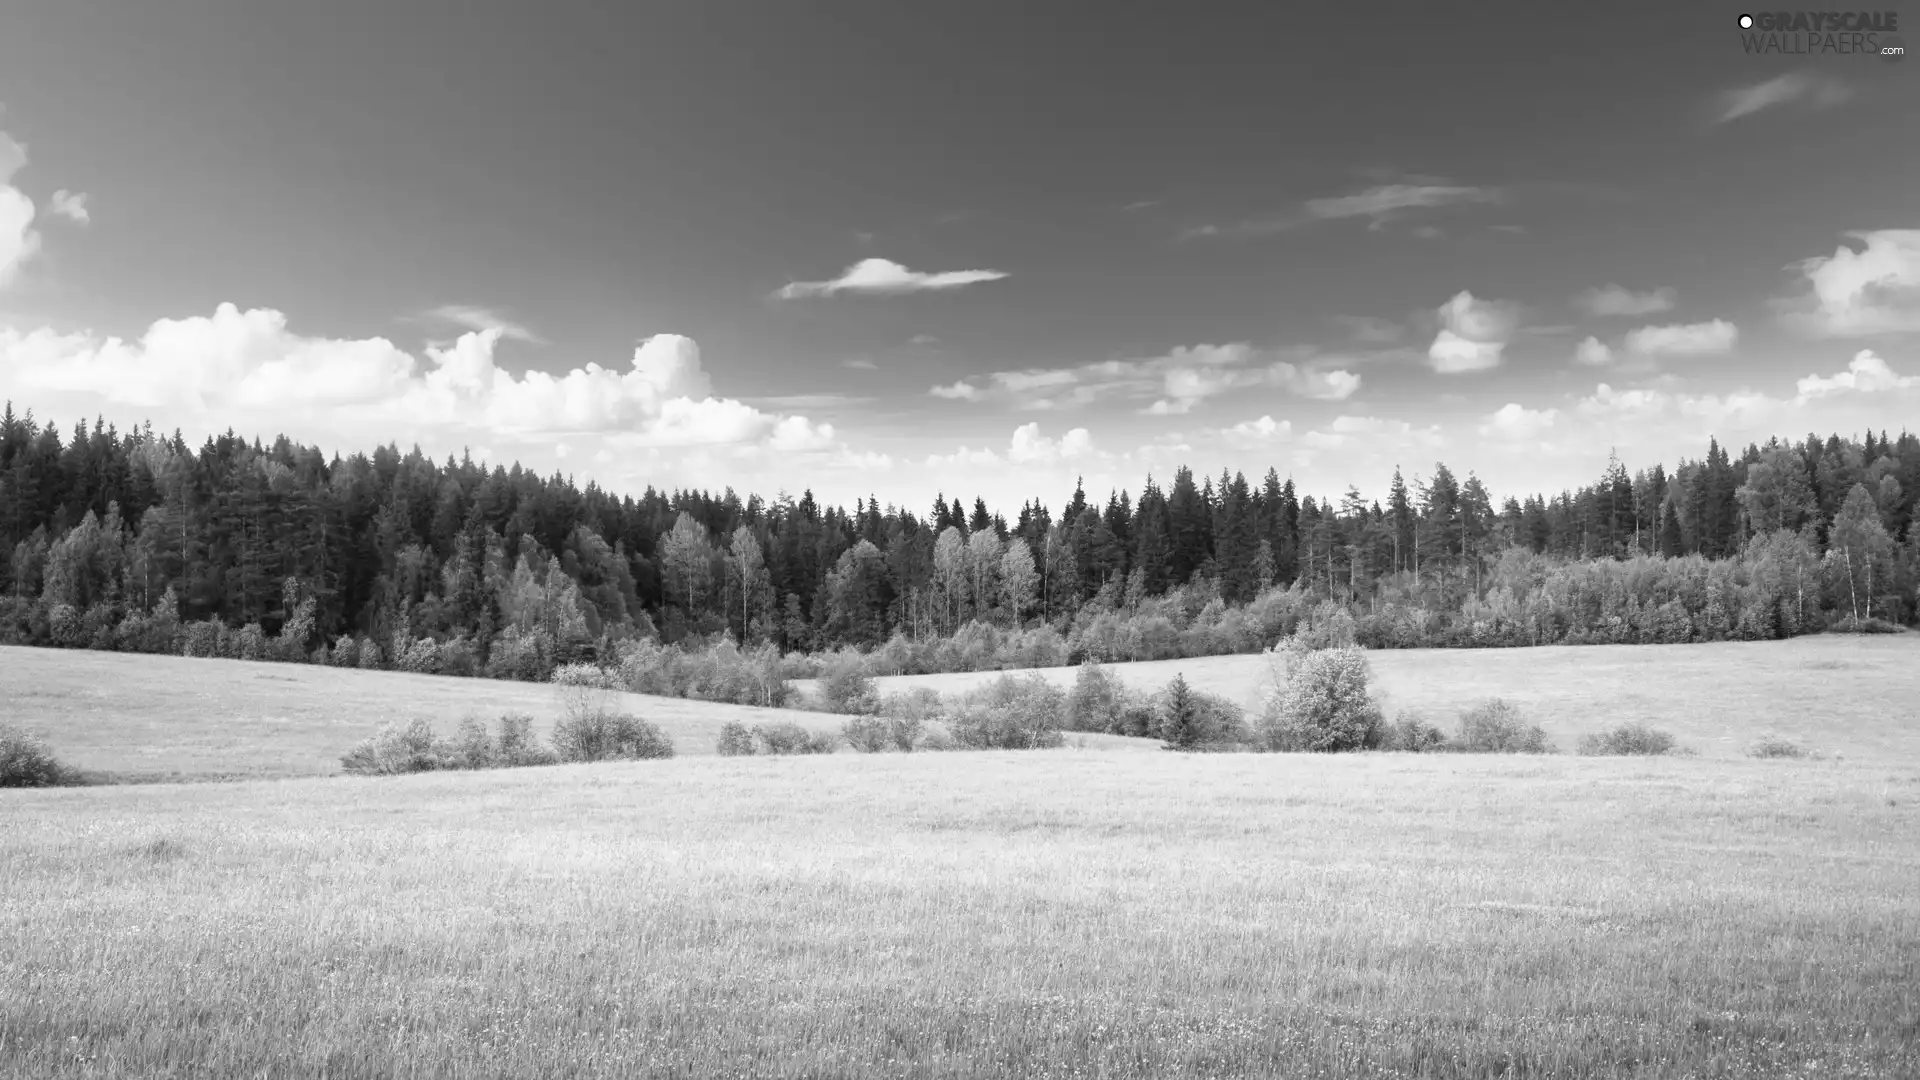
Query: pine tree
[[1181, 725]]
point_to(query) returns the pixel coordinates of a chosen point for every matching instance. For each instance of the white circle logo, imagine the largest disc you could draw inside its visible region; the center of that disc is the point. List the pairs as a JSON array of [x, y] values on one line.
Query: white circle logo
[[1746, 22]]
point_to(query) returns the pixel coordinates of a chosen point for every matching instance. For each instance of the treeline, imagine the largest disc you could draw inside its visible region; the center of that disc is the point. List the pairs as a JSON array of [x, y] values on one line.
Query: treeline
[[137, 541]]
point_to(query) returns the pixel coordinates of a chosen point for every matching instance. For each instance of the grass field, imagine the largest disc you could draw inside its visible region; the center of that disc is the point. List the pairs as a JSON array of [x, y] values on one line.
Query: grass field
[[999, 914], [1024, 914], [1859, 696], [169, 717]]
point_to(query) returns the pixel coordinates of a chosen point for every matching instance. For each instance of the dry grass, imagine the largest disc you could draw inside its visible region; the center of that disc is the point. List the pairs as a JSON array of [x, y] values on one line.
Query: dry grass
[[1844, 693], [956, 915]]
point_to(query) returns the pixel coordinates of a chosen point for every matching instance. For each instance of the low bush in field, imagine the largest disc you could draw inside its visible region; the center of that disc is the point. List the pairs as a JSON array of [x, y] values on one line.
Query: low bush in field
[[25, 760], [1627, 739], [791, 738], [1317, 700], [395, 749], [735, 740], [1777, 746], [1192, 719], [605, 735], [1873, 625], [1010, 713], [1496, 727], [873, 734], [414, 747], [845, 687], [1410, 733]]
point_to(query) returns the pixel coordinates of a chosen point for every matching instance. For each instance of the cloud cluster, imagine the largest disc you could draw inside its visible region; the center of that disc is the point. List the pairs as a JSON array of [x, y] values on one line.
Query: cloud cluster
[[71, 205], [1690, 339], [1612, 299], [1377, 204], [884, 276], [209, 369], [18, 239], [1177, 381], [1866, 373], [1473, 334], [1875, 290]]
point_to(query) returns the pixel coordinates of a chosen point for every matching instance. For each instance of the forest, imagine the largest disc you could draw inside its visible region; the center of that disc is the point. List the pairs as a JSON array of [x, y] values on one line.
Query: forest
[[138, 541]]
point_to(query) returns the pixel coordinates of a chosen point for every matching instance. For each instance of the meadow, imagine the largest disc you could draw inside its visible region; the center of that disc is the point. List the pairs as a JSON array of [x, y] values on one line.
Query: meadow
[[1853, 695], [1064, 913], [1034, 914]]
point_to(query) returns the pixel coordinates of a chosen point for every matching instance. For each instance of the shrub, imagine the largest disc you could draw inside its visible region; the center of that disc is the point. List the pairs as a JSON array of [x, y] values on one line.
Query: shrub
[[25, 760], [1496, 727], [873, 734], [516, 746], [472, 747], [600, 734], [1410, 733], [1095, 702], [788, 737], [868, 734], [735, 740], [1318, 701], [1189, 719], [1777, 746], [936, 739], [847, 688], [396, 749], [1010, 713], [1635, 738]]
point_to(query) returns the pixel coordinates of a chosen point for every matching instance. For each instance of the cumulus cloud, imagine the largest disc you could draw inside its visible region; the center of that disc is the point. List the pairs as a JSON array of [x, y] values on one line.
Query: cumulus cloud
[[1875, 290], [1690, 339], [18, 239], [1473, 334], [884, 276], [1612, 299], [1031, 447], [1258, 432], [1516, 421], [71, 205], [1813, 91], [249, 363], [1592, 352], [1866, 373]]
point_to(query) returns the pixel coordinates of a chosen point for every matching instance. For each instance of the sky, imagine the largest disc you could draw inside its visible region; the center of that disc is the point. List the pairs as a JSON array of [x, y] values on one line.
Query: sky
[[867, 247]]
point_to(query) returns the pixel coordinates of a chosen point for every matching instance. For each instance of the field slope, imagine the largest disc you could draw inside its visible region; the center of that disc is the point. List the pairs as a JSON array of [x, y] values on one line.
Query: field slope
[[1859, 696], [172, 717], [966, 915]]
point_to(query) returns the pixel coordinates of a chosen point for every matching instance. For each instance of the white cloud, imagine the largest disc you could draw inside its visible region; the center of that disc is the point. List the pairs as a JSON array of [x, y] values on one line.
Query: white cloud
[[1592, 352], [480, 318], [1866, 373], [883, 276], [1612, 299], [1473, 334], [71, 205], [1381, 201], [18, 239], [1875, 290], [1691, 339], [1031, 447], [209, 370], [960, 390], [1816, 91], [1515, 421], [1357, 431], [1255, 432], [1178, 380], [859, 363]]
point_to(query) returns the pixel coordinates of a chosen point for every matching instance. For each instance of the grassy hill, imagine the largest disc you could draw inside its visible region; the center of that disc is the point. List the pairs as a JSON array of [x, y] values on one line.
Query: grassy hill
[[1847, 694], [1033, 914]]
